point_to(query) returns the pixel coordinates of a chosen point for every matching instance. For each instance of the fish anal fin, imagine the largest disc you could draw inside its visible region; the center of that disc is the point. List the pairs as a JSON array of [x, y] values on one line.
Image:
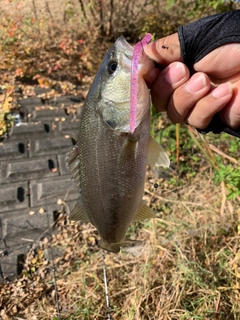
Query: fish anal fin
[[78, 213], [156, 155], [144, 213]]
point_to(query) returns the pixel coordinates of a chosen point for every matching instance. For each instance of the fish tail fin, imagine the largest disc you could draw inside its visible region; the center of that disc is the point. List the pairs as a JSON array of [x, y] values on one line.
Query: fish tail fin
[[133, 246], [128, 245], [111, 247]]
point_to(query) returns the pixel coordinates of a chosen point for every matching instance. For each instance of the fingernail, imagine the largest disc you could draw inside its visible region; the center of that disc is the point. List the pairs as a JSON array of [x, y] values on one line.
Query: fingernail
[[222, 90], [196, 83], [175, 73]]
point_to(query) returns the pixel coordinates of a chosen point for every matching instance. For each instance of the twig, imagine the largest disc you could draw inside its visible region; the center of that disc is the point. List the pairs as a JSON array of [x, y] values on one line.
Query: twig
[[83, 10], [203, 147], [223, 154], [218, 305], [123, 291], [177, 143], [223, 198], [173, 201]]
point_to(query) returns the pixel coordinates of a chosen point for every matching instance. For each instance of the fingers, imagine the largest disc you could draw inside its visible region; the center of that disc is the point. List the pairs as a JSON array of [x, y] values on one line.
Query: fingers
[[231, 112], [221, 63], [194, 100], [204, 109], [186, 96], [166, 82], [164, 50], [196, 103]]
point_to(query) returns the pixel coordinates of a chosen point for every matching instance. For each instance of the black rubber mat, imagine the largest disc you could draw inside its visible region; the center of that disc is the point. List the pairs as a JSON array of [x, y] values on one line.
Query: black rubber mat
[[33, 175]]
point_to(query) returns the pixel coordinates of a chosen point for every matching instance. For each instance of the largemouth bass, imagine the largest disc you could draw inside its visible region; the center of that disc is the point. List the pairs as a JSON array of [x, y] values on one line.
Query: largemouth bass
[[109, 162]]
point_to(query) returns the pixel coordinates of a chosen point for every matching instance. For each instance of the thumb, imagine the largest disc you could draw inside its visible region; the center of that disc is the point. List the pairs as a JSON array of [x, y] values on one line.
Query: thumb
[[164, 50]]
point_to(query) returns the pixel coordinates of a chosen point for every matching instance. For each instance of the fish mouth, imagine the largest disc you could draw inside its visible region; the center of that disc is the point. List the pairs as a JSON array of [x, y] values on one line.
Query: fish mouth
[[127, 50], [124, 47]]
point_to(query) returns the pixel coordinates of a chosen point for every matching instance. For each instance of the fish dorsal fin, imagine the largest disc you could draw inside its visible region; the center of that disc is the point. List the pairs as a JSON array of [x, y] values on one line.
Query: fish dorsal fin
[[78, 213], [156, 155], [72, 159], [144, 212]]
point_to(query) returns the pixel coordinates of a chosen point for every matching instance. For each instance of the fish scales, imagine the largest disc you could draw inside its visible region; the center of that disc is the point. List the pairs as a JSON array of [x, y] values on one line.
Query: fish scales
[[108, 182], [109, 161]]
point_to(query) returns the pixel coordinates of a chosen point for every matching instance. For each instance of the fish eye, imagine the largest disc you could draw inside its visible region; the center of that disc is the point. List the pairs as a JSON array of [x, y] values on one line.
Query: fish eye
[[112, 66]]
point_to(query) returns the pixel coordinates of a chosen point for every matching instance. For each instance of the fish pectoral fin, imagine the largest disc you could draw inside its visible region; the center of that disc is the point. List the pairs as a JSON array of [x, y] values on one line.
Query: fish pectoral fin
[[72, 159], [78, 213], [144, 213], [156, 156]]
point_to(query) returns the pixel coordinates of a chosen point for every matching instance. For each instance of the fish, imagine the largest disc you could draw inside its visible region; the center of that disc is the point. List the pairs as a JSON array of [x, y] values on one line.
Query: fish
[[109, 161]]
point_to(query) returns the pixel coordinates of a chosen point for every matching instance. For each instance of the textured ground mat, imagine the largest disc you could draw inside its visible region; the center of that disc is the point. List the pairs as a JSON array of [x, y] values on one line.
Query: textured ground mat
[[33, 175]]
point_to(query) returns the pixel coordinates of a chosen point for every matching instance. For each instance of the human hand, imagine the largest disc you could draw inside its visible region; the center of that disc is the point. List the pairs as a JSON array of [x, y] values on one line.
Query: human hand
[[213, 88]]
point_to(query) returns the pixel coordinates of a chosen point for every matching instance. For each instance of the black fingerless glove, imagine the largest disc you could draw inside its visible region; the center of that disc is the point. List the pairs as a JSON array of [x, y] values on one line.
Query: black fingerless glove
[[199, 38]]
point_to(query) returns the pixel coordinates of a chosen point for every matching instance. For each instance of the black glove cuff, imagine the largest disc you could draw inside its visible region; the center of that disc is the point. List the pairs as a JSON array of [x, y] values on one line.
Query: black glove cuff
[[218, 126]]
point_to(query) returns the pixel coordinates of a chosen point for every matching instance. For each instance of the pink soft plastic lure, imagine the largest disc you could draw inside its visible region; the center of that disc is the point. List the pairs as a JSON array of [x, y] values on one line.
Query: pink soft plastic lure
[[137, 50]]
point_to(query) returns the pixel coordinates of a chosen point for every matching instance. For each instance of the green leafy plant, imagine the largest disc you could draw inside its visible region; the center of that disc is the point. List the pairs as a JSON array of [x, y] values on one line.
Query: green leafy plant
[[231, 177]]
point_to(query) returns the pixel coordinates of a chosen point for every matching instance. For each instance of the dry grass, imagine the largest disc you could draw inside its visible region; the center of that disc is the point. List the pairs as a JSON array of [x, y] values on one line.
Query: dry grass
[[188, 266]]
